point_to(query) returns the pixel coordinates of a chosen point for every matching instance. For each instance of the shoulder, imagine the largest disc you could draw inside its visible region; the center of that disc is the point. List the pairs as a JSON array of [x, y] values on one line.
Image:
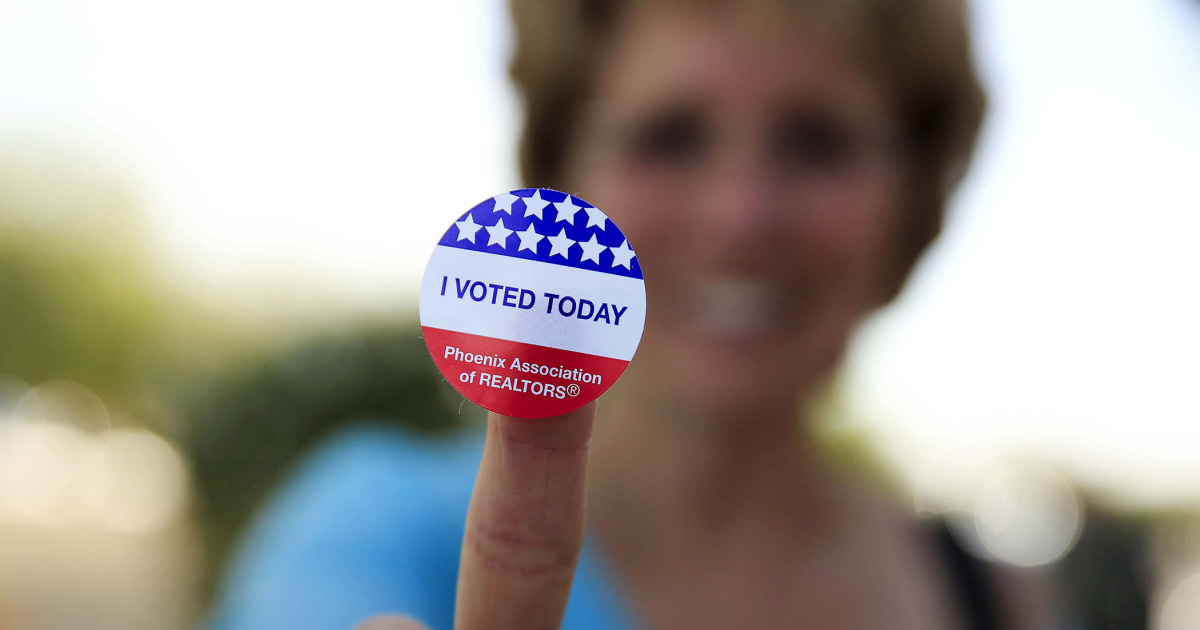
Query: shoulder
[[367, 460], [369, 521], [372, 474]]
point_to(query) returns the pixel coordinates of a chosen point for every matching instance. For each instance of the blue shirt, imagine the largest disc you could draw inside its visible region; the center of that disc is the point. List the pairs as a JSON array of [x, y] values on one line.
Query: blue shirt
[[372, 523]]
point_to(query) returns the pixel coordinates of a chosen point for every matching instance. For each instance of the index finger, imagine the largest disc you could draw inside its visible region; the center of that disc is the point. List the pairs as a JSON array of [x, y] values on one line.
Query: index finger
[[525, 524]]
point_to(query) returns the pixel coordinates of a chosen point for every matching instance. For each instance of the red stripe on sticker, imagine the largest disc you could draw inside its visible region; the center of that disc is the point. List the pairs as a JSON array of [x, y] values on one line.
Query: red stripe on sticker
[[520, 379]]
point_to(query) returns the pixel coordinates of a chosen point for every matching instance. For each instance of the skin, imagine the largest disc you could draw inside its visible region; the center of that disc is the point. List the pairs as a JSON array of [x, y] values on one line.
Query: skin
[[751, 167]]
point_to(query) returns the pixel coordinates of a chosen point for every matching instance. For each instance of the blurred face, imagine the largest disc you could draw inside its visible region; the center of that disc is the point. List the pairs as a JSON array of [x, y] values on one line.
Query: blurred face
[[748, 164]]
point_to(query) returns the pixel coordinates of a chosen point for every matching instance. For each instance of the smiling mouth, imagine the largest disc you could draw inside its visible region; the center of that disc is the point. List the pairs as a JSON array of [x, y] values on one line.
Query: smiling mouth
[[736, 310]]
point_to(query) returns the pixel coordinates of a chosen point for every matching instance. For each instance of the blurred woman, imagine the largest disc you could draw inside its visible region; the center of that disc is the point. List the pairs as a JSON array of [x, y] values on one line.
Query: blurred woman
[[779, 166]]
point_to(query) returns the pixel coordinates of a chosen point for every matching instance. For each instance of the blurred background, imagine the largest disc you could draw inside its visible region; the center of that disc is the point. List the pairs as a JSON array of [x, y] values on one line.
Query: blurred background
[[214, 217]]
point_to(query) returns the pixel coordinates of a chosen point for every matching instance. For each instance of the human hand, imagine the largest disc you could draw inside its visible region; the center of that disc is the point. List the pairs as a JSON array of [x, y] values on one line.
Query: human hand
[[524, 527]]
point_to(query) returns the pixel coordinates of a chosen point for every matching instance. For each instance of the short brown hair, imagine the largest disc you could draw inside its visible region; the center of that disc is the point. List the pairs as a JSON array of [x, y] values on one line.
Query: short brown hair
[[918, 49]]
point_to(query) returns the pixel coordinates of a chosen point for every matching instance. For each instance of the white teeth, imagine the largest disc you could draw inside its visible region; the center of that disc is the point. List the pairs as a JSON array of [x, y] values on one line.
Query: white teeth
[[734, 309]]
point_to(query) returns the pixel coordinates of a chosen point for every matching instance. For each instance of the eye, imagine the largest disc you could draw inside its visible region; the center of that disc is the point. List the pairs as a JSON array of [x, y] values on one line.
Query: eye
[[674, 136], [815, 139]]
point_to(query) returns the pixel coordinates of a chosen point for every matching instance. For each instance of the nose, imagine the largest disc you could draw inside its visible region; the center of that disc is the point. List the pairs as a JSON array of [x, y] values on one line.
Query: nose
[[741, 206]]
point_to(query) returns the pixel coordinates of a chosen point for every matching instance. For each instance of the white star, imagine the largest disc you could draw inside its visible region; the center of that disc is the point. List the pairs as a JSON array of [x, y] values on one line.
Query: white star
[[467, 229], [498, 234], [504, 202], [535, 205], [566, 209], [561, 244], [591, 250], [622, 255], [595, 217], [529, 239]]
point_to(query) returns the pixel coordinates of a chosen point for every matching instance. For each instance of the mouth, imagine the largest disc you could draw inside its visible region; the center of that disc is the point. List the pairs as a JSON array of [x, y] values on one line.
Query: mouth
[[729, 310]]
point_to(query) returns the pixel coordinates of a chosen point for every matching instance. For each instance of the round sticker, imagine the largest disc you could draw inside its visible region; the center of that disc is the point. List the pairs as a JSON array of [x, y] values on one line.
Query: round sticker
[[533, 303]]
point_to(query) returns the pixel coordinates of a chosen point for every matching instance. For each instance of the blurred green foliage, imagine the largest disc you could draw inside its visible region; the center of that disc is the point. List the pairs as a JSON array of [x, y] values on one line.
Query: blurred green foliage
[[78, 298], [65, 315]]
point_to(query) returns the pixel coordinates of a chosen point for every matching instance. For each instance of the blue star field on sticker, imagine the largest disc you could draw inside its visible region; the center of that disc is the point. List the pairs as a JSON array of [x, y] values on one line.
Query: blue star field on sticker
[[536, 224]]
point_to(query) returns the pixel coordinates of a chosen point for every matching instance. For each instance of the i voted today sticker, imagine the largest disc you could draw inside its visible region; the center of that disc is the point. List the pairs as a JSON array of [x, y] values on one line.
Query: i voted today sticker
[[533, 303]]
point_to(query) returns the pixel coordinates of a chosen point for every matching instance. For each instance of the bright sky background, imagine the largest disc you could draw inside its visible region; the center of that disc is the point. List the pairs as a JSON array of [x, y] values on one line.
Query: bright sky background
[[297, 144]]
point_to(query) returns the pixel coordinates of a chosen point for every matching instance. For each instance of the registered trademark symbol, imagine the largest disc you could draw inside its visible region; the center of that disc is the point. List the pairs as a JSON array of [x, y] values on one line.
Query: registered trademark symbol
[[573, 389]]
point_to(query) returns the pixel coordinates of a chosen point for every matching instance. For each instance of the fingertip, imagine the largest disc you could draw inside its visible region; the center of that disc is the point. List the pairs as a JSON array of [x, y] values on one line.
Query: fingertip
[[525, 525], [568, 432]]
